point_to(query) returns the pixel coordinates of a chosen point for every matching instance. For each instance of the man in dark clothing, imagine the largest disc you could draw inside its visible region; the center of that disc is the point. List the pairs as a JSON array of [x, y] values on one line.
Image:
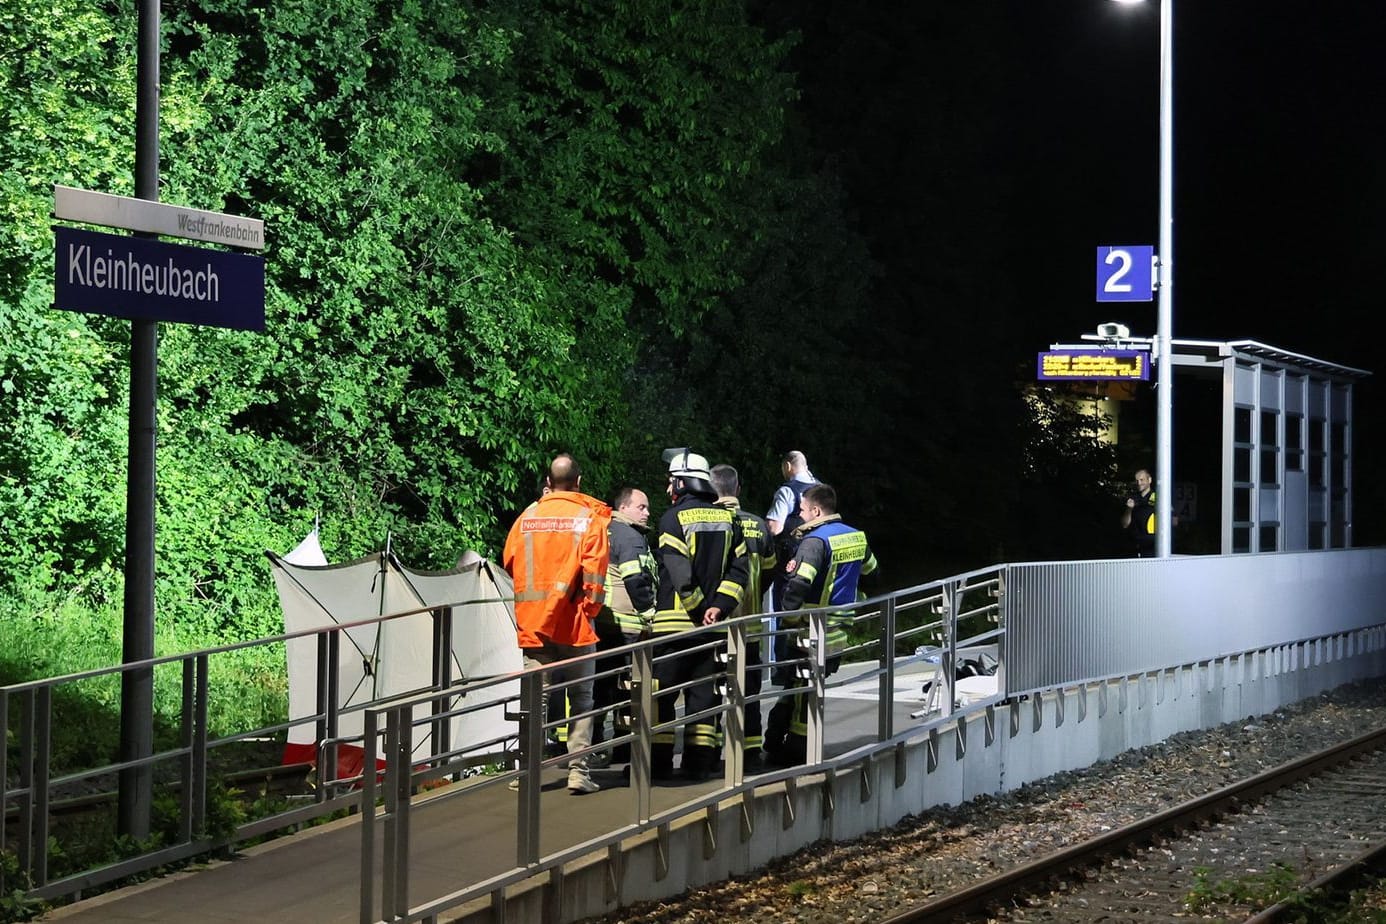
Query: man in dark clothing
[[760, 559], [630, 606], [1138, 517], [702, 577], [784, 515], [830, 560]]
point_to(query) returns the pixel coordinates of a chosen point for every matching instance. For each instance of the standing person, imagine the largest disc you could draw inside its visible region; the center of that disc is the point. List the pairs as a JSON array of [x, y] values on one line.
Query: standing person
[[830, 560], [557, 554], [1138, 519], [784, 513], [556, 742], [760, 560], [628, 615], [783, 518], [702, 579]]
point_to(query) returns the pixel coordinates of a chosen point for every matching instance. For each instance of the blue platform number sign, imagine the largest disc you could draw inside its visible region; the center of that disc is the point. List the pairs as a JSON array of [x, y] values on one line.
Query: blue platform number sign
[[1125, 273]]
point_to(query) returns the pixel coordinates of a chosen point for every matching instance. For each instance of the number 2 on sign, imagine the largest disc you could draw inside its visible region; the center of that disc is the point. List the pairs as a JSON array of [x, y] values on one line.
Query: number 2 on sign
[[1121, 272], [1114, 282]]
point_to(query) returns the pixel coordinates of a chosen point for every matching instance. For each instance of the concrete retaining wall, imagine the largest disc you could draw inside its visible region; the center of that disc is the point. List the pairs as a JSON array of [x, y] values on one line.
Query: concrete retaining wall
[[988, 752]]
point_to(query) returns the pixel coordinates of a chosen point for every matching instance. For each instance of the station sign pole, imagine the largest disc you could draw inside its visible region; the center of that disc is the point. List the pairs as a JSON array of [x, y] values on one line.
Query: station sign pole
[[148, 281], [135, 800]]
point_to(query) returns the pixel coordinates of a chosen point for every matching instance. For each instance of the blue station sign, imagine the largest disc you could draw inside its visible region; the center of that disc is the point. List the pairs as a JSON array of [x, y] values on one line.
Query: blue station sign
[[1094, 365], [1126, 273], [130, 277]]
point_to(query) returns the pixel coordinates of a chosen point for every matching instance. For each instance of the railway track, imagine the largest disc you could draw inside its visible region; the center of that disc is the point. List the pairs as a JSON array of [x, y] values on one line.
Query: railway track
[[1307, 823]]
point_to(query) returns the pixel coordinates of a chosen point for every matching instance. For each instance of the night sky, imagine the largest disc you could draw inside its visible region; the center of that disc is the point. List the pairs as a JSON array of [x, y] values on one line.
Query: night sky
[[990, 146], [1279, 184], [1279, 180]]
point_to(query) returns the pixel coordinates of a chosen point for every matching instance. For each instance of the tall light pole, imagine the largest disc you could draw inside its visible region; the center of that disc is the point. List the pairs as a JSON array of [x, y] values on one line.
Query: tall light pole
[[1164, 329], [1164, 332]]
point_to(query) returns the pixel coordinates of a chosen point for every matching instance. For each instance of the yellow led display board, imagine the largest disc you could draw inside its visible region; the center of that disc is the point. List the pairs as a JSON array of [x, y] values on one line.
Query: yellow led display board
[[1079, 365]]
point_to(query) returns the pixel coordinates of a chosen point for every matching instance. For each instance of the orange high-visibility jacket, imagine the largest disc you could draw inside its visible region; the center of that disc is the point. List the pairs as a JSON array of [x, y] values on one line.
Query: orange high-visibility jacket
[[557, 553]]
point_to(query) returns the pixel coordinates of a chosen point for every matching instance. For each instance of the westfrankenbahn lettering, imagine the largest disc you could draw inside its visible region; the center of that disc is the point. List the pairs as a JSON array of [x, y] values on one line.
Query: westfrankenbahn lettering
[[127, 274], [132, 277], [230, 232]]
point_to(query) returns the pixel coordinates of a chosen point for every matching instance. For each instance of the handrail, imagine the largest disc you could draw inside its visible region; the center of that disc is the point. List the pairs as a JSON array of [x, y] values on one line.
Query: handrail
[[956, 626], [1303, 597]]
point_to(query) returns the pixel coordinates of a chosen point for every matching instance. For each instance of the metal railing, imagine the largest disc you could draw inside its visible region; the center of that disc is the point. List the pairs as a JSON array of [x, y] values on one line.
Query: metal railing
[[1051, 625], [34, 792], [1036, 616]]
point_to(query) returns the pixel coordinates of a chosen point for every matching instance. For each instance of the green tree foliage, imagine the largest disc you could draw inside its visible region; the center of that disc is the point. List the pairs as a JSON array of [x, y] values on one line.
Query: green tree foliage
[[1070, 477], [497, 230], [67, 82], [494, 231], [650, 152]]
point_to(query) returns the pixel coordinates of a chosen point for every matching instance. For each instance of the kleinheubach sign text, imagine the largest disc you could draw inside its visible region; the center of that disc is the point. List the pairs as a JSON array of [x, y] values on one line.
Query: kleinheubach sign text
[[130, 277]]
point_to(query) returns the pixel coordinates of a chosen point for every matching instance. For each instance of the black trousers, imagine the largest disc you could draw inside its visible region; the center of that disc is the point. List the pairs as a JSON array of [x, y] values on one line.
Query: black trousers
[[786, 734], [610, 693], [700, 739]]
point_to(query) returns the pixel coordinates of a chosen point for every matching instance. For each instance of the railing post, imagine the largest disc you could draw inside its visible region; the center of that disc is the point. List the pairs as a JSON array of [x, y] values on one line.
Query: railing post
[[26, 785], [441, 738], [325, 728], [735, 722], [369, 744], [1002, 576], [885, 714], [193, 740], [402, 760], [43, 740], [818, 668], [185, 742], [531, 760], [641, 719], [952, 601], [391, 839]]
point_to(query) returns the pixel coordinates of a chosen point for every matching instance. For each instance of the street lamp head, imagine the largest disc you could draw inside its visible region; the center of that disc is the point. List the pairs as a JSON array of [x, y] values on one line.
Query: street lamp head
[[1128, 2]]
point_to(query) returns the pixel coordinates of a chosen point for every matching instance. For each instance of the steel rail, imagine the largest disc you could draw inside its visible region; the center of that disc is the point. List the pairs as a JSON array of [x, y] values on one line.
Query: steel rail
[[1336, 882], [1033, 876]]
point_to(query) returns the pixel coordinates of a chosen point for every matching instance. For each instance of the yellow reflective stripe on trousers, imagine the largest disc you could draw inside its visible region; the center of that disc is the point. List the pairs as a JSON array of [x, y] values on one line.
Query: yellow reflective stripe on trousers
[[704, 735], [632, 623]]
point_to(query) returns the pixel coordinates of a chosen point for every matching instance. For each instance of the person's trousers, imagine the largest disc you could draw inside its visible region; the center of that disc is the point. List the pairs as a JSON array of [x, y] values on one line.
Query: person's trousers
[[612, 693], [579, 694], [786, 732], [755, 680], [700, 739]]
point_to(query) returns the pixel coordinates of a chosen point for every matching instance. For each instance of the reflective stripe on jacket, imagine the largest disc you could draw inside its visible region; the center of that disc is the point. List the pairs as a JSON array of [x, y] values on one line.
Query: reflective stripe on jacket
[[557, 554]]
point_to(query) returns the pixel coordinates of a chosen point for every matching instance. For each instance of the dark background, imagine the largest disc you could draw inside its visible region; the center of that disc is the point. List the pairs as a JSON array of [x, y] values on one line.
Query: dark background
[[989, 147]]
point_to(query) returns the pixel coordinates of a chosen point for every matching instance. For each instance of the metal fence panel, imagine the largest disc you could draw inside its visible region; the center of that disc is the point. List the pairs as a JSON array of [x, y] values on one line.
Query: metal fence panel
[[1075, 621]]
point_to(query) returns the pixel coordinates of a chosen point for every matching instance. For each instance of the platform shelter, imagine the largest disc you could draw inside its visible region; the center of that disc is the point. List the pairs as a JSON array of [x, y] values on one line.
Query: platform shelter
[[1286, 444]]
